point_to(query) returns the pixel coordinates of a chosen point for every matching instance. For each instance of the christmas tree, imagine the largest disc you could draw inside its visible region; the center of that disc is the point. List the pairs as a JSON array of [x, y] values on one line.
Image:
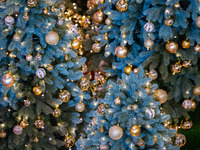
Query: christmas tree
[[42, 83], [127, 118]]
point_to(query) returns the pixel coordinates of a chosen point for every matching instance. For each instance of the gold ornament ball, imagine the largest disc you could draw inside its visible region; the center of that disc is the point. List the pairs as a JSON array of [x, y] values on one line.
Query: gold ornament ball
[[23, 124], [52, 38], [5, 98], [56, 112], [3, 134], [196, 90], [122, 5], [26, 17], [64, 96], [176, 68], [45, 11], [37, 90], [193, 106], [7, 80], [161, 96], [153, 74], [39, 124], [85, 84], [186, 44], [135, 130], [197, 48], [96, 47], [128, 69], [198, 22], [117, 101], [169, 21], [101, 1], [49, 67], [177, 5], [148, 43], [171, 47], [95, 3], [36, 140], [180, 140], [136, 70], [121, 52], [98, 17], [141, 143], [76, 44]]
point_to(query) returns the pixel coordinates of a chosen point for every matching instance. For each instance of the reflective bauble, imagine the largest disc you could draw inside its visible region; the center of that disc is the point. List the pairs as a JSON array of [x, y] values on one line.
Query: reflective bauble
[[96, 47], [122, 5], [80, 107], [135, 130], [17, 130], [56, 112], [171, 47], [39, 124], [169, 21], [153, 74], [115, 132], [180, 140], [7, 80], [121, 52], [52, 38], [98, 17], [9, 21], [128, 69], [186, 44], [37, 90], [76, 44], [64, 96], [161, 96], [117, 101]]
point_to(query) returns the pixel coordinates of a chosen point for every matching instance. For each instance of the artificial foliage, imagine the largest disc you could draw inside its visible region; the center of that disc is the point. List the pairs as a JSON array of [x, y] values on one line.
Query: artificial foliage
[[38, 106], [137, 108]]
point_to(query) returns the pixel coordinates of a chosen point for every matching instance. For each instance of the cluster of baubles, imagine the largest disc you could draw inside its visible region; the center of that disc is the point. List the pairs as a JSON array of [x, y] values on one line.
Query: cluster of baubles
[[129, 68], [189, 104], [177, 67]]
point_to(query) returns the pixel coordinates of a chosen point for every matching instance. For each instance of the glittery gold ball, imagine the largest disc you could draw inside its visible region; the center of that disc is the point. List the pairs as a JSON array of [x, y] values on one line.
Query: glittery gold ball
[[193, 106], [196, 90], [3, 134], [127, 69], [171, 47], [69, 141], [49, 67], [57, 112], [76, 44], [197, 48], [52, 38], [95, 3], [23, 124], [161, 96], [36, 140], [32, 3], [7, 80], [122, 5], [121, 52], [185, 44], [37, 90], [45, 11], [117, 101], [135, 130]]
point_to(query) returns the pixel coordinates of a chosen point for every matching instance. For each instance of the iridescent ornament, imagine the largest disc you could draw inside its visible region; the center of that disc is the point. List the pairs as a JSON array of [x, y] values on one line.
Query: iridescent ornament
[[149, 27], [171, 47], [122, 5], [69, 141], [115, 132], [64, 96], [9, 21], [29, 57], [7, 80], [52, 38], [17, 130], [135, 130], [121, 52], [180, 140], [80, 106], [39, 124], [101, 109], [187, 104], [84, 84], [96, 47], [32, 3], [161, 96], [117, 101], [56, 112]]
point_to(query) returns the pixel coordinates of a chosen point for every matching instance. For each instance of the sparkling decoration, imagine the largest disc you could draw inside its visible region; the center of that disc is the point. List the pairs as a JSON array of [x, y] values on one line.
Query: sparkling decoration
[[135, 130], [23, 124], [104, 147], [198, 22], [115, 132], [101, 109], [153, 74], [27, 102], [187, 104], [128, 69], [176, 68], [84, 84], [52, 38], [96, 47], [17, 130], [84, 68], [64, 96], [49, 67], [94, 121], [8, 80], [117, 101], [122, 5], [69, 141], [2, 134], [161, 96], [149, 27], [40, 73], [186, 125], [108, 21], [5, 98], [150, 112], [197, 48], [148, 43], [171, 47], [9, 21], [38, 57], [180, 140], [45, 11], [32, 3], [196, 90], [39, 124], [186, 44], [37, 90], [121, 52], [141, 143], [16, 37], [194, 105], [95, 3], [29, 57], [80, 106], [66, 57], [36, 140], [76, 44], [169, 21], [56, 112], [98, 17], [53, 9], [187, 63]]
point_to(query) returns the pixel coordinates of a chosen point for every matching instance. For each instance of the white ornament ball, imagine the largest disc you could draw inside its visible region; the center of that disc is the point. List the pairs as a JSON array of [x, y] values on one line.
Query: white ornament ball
[[187, 104], [17, 130], [52, 38], [150, 113], [115, 132], [104, 147], [149, 27], [80, 107], [9, 21], [40, 73]]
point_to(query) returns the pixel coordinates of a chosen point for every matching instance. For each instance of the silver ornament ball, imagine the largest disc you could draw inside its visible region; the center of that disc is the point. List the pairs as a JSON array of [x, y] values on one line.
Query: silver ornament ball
[[115, 132], [52, 38], [80, 107]]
